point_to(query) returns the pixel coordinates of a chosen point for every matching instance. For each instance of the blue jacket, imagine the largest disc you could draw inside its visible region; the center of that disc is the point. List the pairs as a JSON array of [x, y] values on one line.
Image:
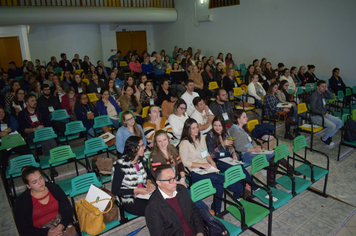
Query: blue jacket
[[81, 113], [103, 109], [147, 68], [122, 134]]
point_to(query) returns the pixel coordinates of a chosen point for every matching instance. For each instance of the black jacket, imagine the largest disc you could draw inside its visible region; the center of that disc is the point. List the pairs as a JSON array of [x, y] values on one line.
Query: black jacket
[[47, 102], [23, 211], [162, 219]]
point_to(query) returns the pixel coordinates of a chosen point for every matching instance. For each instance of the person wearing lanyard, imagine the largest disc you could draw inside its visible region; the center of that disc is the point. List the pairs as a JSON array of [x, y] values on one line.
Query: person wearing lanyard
[[32, 118], [86, 112], [132, 178], [68, 102], [47, 101], [317, 107], [221, 106], [108, 106], [148, 96]]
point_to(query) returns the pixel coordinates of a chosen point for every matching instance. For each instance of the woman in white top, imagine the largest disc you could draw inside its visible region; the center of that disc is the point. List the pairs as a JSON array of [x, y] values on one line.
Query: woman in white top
[[255, 90], [220, 59], [194, 154], [286, 76], [178, 117]]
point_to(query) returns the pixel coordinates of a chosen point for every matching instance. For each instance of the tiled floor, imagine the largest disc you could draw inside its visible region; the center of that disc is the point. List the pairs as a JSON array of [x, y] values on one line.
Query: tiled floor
[[305, 214]]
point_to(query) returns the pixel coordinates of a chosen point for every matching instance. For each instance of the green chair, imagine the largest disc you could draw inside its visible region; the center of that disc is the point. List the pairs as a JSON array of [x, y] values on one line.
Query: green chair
[[58, 70], [243, 66], [299, 93], [60, 114], [93, 147], [290, 91], [11, 141], [81, 185], [253, 212], [101, 121], [307, 169], [73, 129], [41, 135], [354, 114], [259, 162], [236, 67], [308, 88], [18, 78], [343, 142], [15, 170], [293, 183], [203, 189], [58, 156]]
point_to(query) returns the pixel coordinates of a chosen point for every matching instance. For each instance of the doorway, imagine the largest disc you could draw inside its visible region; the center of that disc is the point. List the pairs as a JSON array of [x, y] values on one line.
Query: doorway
[[10, 51], [131, 40]]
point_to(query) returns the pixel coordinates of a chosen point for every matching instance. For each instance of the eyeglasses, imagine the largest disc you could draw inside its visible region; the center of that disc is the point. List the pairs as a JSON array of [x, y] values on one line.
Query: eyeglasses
[[171, 181], [130, 119]]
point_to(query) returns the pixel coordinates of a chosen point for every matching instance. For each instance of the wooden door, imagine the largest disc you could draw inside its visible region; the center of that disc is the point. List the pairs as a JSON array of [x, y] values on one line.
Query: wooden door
[[131, 40], [10, 51]]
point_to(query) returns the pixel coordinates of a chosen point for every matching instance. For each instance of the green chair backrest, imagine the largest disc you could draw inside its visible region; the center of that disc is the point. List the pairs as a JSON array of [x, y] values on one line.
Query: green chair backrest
[[344, 118], [242, 66], [243, 72], [44, 134], [308, 88], [74, 127], [348, 92], [81, 184], [280, 152], [290, 91], [299, 90], [258, 163], [354, 89], [354, 114], [201, 190], [61, 153], [18, 162], [233, 175], [17, 78], [60, 114], [58, 70], [171, 59], [340, 94], [101, 121], [11, 141], [299, 143], [236, 67], [315, 84], [94, 145]]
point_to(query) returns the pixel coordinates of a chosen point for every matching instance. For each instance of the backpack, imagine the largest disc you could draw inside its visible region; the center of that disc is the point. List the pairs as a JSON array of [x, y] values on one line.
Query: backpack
[[350, 130], [212, 226], [262, 129]]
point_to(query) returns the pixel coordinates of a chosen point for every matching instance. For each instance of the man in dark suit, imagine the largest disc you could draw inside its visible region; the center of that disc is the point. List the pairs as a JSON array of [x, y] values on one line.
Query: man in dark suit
[[72, 67], [14, 71]]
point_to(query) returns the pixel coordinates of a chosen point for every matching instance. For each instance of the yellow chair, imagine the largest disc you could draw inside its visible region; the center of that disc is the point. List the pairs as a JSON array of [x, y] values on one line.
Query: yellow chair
[[308, 127], [123, 63], [239, 81], [213, 85], [144, 112], [224, 68], [92, 97], [86, 81], [237, 73], [252, 124], [79, 71], [238, 92], [168, 71]]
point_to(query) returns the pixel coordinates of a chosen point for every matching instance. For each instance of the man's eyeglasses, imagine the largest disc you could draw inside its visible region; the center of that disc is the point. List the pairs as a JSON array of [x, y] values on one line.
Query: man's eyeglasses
[[171, 181]]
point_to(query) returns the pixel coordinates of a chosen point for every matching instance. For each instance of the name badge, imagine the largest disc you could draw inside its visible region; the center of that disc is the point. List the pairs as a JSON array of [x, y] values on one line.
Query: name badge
[[80, 90], [222, 154], [236, 84], [152, 101], [34, 118], [51, 109], [140, 178], [226, 117], [324, 102], [249, 138], [3, 127], [339, 84], [98, 89], [88, 112], [204, 153], [205, 118]]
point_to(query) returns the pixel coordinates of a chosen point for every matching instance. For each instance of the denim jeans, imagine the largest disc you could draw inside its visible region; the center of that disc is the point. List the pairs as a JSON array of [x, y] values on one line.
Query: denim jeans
[[332, 125]]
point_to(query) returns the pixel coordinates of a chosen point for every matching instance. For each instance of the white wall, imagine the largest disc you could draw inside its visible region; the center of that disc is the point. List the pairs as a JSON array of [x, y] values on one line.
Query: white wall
[[302, 32], [49, 41], [21, 32], [96, 41]]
